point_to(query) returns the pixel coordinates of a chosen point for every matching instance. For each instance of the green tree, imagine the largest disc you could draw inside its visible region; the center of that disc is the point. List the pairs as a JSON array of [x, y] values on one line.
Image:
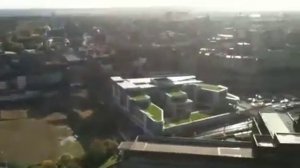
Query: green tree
[[64, 160], [13, 46], [99, 151], [68, 161], [48, 164], [25, 33]]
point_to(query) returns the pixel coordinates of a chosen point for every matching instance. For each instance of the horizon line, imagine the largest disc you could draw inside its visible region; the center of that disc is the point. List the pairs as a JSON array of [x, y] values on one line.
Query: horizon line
[[141, 7]]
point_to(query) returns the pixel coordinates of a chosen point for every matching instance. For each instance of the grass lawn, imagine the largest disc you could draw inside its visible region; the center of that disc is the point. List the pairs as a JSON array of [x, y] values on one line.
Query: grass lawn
[[198, 115], [154, 112], [193, 117], [140, 97], [211, 87], [177, 93]]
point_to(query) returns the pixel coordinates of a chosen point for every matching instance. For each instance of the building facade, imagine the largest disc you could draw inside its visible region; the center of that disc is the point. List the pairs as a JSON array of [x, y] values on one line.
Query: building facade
[[166, 104]]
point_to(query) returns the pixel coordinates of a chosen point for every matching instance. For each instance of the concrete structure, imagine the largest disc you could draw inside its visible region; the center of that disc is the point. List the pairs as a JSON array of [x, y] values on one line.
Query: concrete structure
[[275, 143], [30, 74], [180, 152], [208, 95], [135, 154], [276, 131], [170, 105]]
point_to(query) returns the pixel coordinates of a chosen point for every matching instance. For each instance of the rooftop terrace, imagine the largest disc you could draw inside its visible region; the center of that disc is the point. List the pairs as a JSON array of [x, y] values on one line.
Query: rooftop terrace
[[140, 98], [215, 88], [154, 112], [195, 116], [186, 150], [177, 93], [144, 83], [276, 122]]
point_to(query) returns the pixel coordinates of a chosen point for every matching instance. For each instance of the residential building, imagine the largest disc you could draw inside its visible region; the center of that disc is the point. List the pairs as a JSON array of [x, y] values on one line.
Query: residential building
[[29, 75]]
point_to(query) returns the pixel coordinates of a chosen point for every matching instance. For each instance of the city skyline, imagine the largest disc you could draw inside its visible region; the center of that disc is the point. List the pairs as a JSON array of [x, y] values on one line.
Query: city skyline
[[220, 5]]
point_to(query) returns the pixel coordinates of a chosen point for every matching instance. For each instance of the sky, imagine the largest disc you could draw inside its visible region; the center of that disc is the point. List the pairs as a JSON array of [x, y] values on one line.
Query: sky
[[221, 5]]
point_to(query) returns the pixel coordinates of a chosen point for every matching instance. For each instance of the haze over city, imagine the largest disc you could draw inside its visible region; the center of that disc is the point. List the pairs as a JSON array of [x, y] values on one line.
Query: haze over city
[[216, 5], [149, 83]]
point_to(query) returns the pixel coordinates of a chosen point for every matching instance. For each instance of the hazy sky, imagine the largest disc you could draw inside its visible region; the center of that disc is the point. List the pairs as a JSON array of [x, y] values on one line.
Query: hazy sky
[[224, 5]]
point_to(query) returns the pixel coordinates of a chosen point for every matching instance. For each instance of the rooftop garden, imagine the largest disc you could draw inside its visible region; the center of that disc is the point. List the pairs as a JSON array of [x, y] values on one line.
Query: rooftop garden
[[211, 87], [195, 116], [177, 93], [177, 96], [140, 97], [154, 112]]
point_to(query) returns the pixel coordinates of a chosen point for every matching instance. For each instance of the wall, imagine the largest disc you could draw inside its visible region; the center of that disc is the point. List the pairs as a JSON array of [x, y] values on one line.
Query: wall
[[204, 124]]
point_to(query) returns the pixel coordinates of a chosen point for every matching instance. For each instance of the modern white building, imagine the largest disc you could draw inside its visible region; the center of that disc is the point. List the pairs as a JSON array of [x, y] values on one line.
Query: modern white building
[[160, 103], [208, 95]]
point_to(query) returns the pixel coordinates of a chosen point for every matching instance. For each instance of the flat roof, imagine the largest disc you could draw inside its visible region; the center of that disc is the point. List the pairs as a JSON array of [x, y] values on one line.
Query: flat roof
[[181, 78], [140, 80], [276, 122], [71, 57], [146, 82], [192, 81], [176, 93], [288, 138], [215, 88], [145, 86], [116, 78], [140, 97], [188, 150], [127, 85]]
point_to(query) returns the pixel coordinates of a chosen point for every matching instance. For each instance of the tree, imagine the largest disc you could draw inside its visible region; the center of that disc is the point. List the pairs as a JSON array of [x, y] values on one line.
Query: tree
[[48, 164], [103, 147], [64, 160], [25, 33], [13, 46], [99, 151], [68, 161]]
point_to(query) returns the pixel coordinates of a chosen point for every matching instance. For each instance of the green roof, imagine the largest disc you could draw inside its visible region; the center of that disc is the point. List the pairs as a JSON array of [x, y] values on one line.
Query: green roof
[[154, 112], [177, 93], [140, 98], [211, 87], [198, 115], [193, 117]]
